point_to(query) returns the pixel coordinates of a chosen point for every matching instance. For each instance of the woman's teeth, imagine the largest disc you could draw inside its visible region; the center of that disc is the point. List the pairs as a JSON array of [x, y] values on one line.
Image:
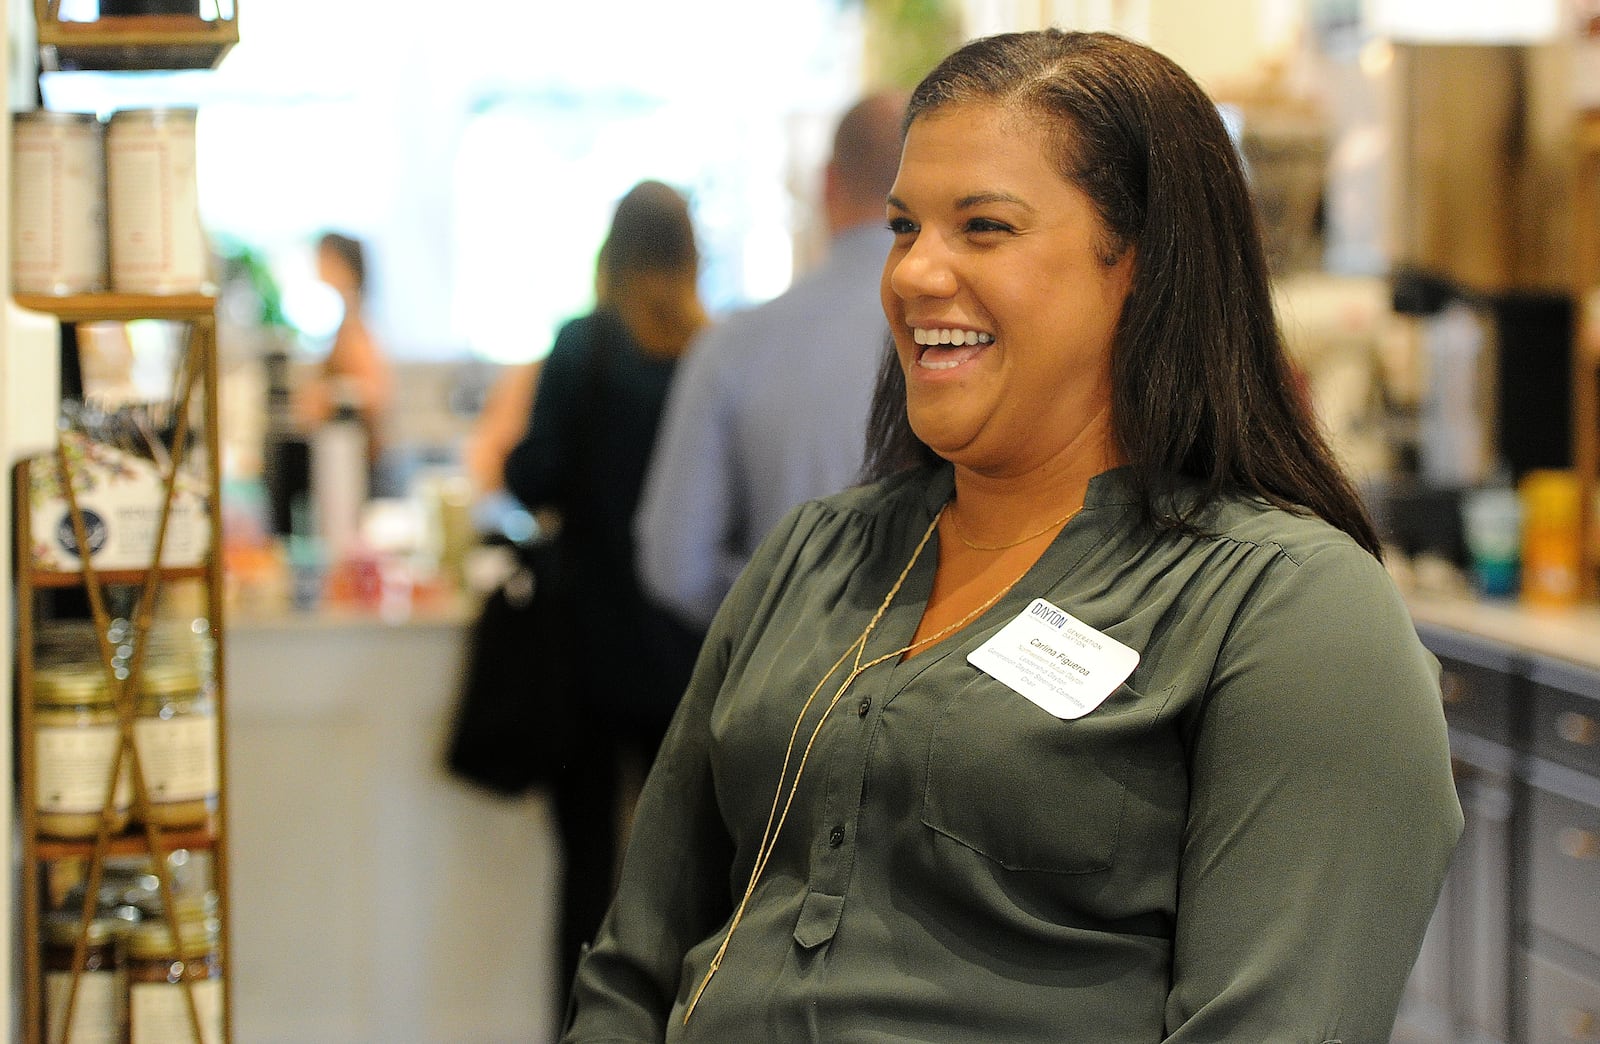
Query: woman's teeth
[[945, 349], [945, 336]]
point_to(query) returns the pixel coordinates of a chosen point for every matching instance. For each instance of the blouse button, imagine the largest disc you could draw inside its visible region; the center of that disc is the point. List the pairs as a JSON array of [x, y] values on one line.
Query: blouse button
[[864, 706], [836, 837]]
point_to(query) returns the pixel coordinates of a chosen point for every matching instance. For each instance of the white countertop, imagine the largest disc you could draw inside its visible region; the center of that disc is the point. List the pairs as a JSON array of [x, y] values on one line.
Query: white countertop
[[1568, 634], [452, 612], [375, 898]]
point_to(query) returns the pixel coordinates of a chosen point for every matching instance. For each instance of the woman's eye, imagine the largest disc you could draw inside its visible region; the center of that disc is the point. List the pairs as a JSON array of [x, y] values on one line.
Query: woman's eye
[[902, 226], [976, 225]]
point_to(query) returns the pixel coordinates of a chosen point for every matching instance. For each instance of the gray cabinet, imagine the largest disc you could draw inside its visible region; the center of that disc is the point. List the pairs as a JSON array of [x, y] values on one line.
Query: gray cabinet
[[1513, 952]]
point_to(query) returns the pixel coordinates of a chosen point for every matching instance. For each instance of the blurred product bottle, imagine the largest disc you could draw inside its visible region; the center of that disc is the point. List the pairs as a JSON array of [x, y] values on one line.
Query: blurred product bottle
[[339, 475], [1454, 450], [1550, 537], [1491, 523]]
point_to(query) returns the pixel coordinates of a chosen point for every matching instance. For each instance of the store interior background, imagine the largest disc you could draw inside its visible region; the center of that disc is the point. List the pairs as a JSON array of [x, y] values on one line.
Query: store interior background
[[479, 159], [479, 153], [479, 156]]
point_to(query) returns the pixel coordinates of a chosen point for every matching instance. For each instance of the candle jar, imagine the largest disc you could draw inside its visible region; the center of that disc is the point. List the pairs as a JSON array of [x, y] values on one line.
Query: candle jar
[[58, 212], [157, 243], [164, 972], [175, 730], [97, 1008], [75, 742]]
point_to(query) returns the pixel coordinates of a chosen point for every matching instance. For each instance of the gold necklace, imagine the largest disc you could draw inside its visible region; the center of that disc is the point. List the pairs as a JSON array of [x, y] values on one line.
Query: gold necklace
[[775, 818], [1057, 524]]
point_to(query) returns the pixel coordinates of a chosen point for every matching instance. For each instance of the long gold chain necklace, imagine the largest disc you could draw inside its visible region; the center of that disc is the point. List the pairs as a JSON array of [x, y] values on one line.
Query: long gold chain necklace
[[775, 818], [955, 523]]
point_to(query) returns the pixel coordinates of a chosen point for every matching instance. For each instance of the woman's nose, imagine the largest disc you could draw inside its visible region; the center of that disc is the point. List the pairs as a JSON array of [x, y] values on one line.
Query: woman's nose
[[922, 271]]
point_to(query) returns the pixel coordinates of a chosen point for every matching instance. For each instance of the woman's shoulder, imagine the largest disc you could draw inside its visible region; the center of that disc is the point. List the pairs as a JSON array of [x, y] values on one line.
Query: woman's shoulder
[[1294, 534], [824, 527], [921, 490], [575, 338]]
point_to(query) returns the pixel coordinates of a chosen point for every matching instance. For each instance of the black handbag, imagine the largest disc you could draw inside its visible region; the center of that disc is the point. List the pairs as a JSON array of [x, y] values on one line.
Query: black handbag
[[514, 717]]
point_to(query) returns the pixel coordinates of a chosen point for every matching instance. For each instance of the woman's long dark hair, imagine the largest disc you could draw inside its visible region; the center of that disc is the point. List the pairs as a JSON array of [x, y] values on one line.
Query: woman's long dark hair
[[1203, 391]]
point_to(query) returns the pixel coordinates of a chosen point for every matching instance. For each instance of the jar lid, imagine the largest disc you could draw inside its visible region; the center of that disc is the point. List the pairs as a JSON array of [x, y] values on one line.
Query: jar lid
[[61, 928], [71, 684], [152, 937], [156, 114], [170, 677], [51, 117]]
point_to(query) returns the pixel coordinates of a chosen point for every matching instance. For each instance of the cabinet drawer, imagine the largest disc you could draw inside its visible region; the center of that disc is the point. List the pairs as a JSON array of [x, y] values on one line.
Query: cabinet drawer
[[1477, 699], [1565, 838], [1563, 1006], [1566, 717]]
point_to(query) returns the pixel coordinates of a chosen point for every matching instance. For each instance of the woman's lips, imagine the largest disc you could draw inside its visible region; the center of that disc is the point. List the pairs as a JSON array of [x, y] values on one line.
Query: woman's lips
[[944, 348]]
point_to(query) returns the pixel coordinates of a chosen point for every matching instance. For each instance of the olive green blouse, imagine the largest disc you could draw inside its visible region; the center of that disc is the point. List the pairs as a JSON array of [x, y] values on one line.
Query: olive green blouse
[[1243, 843]]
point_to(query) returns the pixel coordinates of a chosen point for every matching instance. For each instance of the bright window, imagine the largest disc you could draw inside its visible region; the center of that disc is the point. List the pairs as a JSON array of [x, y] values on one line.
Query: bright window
[[479, 152]]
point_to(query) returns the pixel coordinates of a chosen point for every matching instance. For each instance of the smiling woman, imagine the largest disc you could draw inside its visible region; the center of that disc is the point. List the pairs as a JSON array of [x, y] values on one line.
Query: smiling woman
[[1143, 744], [1000, 302]]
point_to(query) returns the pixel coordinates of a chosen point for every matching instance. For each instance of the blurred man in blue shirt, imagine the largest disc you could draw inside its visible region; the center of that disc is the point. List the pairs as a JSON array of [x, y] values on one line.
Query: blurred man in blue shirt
[[769, 408]]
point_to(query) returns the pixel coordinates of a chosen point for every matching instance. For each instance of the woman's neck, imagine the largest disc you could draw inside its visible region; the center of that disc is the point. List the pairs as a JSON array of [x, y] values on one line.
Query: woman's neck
[[994, 507]]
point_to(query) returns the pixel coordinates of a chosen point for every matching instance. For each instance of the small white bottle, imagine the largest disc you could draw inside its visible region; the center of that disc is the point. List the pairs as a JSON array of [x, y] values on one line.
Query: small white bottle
[[339, 475]]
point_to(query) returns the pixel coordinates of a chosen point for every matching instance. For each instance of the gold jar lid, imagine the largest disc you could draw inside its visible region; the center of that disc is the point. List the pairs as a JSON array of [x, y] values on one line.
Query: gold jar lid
[[52, 117], [152, 938], [155, 114], [61, 928], [176, 676], [71, 684]]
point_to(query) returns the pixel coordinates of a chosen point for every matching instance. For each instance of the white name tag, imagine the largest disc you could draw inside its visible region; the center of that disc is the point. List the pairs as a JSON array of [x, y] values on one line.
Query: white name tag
[[1055, 660]]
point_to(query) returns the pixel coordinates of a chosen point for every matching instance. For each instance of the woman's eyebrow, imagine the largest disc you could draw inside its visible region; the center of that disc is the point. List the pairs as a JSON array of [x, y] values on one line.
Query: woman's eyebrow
[[979, 199], [967, 202]]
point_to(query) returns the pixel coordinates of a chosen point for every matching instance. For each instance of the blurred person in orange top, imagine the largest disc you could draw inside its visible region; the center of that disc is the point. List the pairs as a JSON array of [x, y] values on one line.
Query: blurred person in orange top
[[356, 365]]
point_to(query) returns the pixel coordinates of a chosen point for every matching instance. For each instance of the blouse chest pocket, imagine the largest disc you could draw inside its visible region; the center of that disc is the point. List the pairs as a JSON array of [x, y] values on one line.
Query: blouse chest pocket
[[1014, 783]]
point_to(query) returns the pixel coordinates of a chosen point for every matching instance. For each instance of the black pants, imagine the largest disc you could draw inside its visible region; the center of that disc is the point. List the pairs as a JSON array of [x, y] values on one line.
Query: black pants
[[588, 796]]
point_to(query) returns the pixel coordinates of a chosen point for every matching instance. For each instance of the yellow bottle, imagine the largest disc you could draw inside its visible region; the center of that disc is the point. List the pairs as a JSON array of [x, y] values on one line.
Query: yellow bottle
[[1550, 537]]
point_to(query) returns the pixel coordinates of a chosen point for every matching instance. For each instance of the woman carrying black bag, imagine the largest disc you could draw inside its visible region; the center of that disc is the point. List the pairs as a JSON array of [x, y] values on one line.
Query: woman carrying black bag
[[514, 723], [588, 442]]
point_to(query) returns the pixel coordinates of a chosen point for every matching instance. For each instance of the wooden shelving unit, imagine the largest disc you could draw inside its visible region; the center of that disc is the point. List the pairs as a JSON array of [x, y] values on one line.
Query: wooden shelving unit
[[195, 410], [133, 42], [1586, 345], [146, 43]]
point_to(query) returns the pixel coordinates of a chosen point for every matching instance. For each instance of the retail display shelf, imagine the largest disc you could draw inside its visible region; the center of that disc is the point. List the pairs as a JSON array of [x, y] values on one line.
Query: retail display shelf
[[170, 737], [117, 577], [116, 307], [133, 842], [136, 42]]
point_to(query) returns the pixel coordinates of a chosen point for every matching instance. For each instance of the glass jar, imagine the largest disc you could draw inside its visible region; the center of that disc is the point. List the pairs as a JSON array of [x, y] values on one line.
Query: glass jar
[[157, 244], [161, 973], [97, 1007], [75, 742], [58, 211], [175, 729]]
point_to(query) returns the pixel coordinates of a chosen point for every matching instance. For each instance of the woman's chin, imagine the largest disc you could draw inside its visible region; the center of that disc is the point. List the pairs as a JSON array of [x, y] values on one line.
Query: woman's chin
[[948, 440]]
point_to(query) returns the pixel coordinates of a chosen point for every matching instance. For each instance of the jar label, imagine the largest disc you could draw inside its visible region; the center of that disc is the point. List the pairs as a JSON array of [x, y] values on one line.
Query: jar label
[[157, 241], [178, 756], [73, 765], [58, 235], [158, 1013], [94, 1012]]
